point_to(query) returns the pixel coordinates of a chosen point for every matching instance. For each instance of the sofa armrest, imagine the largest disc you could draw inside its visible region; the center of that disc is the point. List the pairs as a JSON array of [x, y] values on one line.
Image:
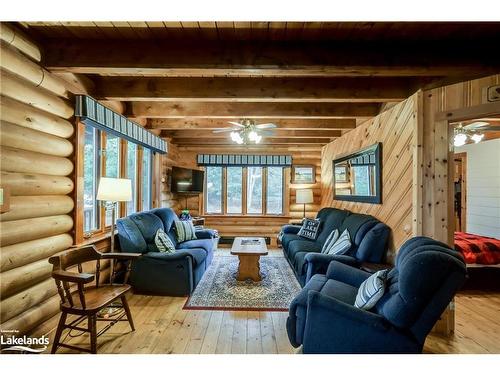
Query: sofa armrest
[[206, 234], [290, 229], [336, 327], [168, 257], [318, 263], [346, 274]]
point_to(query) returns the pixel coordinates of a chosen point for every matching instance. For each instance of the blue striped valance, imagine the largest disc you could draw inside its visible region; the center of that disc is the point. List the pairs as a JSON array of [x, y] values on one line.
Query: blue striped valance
[[93, 113], [243, 160]]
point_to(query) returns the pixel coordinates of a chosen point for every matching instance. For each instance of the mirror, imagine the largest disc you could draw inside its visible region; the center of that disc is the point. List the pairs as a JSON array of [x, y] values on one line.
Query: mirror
[[357, 177]]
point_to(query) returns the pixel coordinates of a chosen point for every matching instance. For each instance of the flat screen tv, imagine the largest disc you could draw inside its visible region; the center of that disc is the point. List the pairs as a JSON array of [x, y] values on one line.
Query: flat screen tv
[[187, 181]]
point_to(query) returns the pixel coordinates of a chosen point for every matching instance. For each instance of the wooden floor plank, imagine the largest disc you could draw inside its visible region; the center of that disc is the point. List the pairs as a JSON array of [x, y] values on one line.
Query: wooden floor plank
[[226, 333], [267, 333], [254, 339], [210, 341], [239, 339], [198, 333]]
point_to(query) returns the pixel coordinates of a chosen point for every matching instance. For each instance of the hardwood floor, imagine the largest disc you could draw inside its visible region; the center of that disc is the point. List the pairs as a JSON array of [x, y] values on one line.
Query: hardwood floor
[[162, 326]]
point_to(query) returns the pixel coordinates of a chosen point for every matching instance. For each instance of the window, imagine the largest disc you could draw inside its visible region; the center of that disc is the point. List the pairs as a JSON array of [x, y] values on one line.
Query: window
[[254, 190], [112, 168], [90, 180], [214, 190], [274, 194], [361, 176], [244, 190], [234, 188], [132, 175], [146, 179]]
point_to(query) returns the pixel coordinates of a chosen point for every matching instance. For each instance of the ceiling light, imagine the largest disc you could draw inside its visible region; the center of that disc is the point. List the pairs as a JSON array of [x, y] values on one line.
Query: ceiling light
[[258, 138], [252, 135], [459, 139], [477, 137]]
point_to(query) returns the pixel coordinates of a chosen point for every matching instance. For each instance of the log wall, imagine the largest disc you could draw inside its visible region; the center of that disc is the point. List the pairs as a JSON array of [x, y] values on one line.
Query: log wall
[[36, 166], [245, 225]]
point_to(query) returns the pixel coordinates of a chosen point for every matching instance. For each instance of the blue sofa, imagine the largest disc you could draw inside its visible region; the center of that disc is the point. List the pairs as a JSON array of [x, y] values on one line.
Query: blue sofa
[[368, 235], [424, 280], [159, 273]]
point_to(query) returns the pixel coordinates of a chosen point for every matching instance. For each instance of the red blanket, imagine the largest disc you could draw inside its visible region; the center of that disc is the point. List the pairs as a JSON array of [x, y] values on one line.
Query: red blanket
[[478, 249]]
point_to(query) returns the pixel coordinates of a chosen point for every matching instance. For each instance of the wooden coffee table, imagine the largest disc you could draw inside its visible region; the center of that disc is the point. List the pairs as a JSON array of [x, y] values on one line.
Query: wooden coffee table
[[249, 251]]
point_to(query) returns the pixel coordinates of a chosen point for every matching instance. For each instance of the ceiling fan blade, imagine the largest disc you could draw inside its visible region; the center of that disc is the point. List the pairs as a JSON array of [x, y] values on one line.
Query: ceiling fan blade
[[224, 130], [236, 124], [491, 128], [266, 132], [265, 126], [477, 125]]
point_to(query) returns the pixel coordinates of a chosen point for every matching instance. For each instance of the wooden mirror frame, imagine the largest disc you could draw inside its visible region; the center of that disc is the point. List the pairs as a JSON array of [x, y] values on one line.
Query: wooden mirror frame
[[377, 198]]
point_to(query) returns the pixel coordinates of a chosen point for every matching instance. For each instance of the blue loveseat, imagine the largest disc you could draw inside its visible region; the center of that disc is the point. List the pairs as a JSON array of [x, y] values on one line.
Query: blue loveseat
[[423, 282], [368, 235], [159, 273]]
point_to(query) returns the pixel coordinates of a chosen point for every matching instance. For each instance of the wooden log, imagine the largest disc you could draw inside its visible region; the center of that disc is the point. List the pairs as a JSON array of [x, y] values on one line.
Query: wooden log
[[15, 160], [36, 184], [27, 252], [16, 63], [33, 140], [22, 301], [76, 83], [24, 91], [114, 105], [13, 37], [21, 278], [16, 231], [25, 207], [26, 115]]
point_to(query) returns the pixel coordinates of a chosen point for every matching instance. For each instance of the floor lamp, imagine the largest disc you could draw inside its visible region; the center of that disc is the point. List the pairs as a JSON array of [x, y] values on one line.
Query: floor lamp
[[110, 192], [304, 196]]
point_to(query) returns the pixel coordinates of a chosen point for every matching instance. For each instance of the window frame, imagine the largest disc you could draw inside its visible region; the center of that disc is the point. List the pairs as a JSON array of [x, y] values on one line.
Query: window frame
[[285, 193]]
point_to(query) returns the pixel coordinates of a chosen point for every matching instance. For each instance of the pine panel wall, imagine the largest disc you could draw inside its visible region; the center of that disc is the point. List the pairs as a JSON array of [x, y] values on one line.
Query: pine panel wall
[[36, 168], [395, 129]]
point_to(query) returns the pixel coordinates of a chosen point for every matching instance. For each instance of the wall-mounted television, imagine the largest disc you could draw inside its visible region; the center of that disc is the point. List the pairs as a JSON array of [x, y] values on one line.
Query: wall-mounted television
[[186, 181]]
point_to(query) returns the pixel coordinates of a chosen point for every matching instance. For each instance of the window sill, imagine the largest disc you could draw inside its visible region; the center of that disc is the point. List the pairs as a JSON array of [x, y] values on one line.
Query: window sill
[[246, 216], [98, 237]]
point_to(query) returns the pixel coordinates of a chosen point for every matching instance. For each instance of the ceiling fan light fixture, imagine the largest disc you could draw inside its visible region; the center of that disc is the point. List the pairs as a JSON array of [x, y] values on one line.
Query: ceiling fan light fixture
[[459, 139], [252, 135], [477, 137], [258, 138]]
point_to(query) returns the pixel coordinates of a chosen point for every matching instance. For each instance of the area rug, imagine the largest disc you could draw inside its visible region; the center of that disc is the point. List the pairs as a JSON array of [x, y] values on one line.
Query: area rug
[[219, 290]]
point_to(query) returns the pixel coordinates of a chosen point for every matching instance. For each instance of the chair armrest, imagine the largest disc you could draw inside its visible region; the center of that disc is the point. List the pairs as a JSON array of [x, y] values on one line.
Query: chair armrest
[[347, 274], [318, 263], [290, 229], [121, 256], [205, 234], [333, 326], [73, 277]]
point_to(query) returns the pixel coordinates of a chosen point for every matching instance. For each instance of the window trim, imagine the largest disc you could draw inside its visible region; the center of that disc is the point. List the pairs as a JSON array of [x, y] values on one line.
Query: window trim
[[244, 213]]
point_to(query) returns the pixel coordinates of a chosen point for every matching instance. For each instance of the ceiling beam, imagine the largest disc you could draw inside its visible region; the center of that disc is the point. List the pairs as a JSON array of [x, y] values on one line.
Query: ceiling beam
[[174, 58], [256, 110], [277, 133], [310, 89], [265, 141], [302, 124]]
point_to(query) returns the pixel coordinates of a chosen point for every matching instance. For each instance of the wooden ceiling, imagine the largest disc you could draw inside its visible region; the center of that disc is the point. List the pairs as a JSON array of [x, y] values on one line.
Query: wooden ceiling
[[315, 80]]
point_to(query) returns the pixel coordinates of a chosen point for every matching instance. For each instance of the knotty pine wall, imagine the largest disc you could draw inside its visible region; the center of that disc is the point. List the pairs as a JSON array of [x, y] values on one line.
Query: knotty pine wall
[[36, 167], [395, 129], [183, 156]]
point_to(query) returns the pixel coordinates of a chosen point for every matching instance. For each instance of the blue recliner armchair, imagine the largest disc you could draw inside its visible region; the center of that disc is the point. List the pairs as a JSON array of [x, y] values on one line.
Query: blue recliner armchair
[[159, 273], [369, 238], [426, 277]]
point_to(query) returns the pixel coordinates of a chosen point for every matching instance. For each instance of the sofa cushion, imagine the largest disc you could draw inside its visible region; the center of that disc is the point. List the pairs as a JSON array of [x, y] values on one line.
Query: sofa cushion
[[148, 224], [309, 229], [371, 290], [288, 238], [357, 225], [331, 218], [341, 246], [302, 246], [206, 244], [185, 231]]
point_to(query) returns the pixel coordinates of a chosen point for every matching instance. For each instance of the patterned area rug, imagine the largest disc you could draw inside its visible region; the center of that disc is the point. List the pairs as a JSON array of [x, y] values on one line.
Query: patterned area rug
[[219, 289]]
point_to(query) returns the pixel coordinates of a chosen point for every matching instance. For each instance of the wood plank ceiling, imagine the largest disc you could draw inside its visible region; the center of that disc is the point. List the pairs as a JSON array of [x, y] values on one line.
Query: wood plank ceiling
[[315, 80]]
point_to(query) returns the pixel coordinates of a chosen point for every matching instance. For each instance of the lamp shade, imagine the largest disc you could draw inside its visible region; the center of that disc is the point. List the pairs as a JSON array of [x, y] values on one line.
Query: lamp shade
[[114, 189], [304, 196]]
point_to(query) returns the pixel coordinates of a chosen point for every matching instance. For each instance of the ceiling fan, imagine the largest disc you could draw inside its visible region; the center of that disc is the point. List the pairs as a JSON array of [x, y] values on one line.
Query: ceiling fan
[[473, 131], [247, 131]]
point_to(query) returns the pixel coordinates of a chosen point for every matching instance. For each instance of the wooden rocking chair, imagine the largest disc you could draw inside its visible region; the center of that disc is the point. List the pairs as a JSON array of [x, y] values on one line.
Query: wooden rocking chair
[[87, 301]]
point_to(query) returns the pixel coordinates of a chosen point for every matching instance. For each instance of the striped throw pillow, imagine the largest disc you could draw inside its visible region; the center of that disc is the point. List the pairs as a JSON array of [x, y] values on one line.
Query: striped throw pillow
[[330, 240], [163, 242], [341, 246], [371, 290], [185, 230]]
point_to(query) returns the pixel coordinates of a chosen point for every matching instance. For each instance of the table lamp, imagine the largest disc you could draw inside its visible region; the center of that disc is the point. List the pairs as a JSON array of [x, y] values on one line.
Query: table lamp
[[111, 191], [304, 196]]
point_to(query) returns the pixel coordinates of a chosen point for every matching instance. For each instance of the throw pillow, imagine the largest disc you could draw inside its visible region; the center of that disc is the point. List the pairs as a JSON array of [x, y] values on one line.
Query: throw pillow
[[185, 230], [330, 240], [163, 242], [341, 246], [309, 229], [371, 290]]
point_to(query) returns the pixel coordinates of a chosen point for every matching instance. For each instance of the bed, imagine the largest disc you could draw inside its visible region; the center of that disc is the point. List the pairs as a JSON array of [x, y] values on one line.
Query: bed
[[478, 250]]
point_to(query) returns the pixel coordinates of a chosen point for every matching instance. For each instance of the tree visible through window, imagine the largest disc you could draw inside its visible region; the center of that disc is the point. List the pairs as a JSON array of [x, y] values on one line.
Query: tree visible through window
[[274, 199], [90, 179], [146, 179], [234, 190], [112, 166], [214, 190], [131, 174], [254, 190]]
